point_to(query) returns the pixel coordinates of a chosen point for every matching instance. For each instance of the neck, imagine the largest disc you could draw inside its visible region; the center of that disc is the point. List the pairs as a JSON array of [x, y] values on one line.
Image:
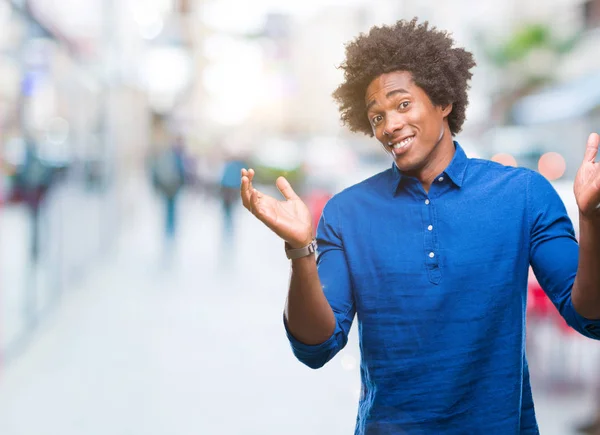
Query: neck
[[440, 158]]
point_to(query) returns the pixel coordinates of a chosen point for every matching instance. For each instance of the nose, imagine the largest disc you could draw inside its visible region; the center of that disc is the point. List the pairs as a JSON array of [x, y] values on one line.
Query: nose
[[393, 122]]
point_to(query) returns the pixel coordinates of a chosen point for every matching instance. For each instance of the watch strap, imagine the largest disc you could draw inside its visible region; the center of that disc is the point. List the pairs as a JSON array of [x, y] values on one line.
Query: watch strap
[[307, 250]]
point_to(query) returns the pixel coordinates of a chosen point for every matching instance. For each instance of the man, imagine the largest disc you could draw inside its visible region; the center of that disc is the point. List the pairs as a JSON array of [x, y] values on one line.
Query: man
[[433, 254], [168, 177], [230, 185]]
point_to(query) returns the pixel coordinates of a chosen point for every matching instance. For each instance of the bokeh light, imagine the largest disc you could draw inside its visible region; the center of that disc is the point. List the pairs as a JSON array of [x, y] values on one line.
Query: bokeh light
[[552, 165], [504, 159]]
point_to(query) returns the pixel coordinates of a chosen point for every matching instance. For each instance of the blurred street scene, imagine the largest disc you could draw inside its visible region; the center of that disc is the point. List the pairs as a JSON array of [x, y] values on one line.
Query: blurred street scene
[[137, 296]]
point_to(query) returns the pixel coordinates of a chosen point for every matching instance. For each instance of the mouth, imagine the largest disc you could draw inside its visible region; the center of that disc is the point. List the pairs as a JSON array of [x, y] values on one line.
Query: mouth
[[402, 144]]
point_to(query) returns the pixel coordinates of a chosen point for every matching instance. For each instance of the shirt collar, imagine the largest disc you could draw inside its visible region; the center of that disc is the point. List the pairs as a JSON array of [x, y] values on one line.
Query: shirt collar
[[455, 170]]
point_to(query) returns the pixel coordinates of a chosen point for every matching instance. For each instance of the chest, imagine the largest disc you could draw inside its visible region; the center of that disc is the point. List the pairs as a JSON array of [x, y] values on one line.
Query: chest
[[431, 253]]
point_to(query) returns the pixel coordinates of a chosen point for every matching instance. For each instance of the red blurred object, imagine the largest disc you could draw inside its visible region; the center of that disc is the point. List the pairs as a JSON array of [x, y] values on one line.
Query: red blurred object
[[315, 202], [540, 307], [538, 304]]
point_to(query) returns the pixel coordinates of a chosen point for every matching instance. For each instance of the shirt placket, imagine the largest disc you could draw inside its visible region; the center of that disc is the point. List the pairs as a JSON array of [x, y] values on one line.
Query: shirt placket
[[431, 251]]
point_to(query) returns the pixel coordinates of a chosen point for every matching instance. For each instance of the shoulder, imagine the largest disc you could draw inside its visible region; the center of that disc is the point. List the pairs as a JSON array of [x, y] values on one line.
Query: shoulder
[[495, 177], [524, 179], [489, 168], [357, 195], [374, 184], [536, 190]]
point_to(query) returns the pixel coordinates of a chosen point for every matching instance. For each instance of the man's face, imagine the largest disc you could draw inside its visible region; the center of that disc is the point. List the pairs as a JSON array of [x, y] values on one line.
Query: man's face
[[404, 120]]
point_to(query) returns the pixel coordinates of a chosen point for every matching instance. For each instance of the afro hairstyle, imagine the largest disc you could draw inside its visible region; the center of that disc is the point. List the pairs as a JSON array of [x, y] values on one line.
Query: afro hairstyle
[[436, 66]]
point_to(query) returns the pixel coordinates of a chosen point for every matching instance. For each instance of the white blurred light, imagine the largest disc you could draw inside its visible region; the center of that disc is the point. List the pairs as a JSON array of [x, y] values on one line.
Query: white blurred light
[[236, 81], [219, 46], [166, 69], [74, 18], [149, 16], [5, 12], [225, 82], [145, 11], [348, 362], [279, 153], [241, 16], [225, 114], [234, 16], [143, 16], [151, 30], [58, 131]]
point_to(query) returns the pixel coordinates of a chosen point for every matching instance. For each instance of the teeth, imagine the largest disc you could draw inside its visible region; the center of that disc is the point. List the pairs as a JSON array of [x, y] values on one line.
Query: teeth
[[401, 144]]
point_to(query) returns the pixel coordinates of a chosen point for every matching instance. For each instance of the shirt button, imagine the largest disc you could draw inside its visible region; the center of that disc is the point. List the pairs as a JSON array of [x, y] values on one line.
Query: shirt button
[[431, 255], [430, 227], [441, 179], [427, 202]]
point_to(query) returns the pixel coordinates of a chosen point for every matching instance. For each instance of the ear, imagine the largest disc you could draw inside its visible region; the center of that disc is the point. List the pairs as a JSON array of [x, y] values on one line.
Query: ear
[[446, 110]]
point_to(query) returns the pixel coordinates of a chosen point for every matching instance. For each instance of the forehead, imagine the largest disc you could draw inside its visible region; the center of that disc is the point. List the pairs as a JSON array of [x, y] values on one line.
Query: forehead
[[387, 82]]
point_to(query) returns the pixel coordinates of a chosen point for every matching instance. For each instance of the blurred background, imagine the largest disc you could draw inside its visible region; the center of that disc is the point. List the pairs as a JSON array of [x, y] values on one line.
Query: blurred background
[[137, 297]]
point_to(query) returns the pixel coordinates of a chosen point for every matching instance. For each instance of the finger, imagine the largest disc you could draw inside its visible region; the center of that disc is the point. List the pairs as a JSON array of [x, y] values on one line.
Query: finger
[[255, 205], [591, 150], [251, 174], [246, 192], [285, 188]]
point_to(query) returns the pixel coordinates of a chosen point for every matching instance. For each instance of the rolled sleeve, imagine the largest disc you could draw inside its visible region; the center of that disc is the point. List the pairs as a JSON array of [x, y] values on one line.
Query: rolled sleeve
[[316, 356], [589, 328], [336, 283], [554, 252]]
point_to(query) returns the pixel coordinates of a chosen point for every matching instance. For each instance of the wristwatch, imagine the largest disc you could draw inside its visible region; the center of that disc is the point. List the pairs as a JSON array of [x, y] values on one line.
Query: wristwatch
[[292, 254]]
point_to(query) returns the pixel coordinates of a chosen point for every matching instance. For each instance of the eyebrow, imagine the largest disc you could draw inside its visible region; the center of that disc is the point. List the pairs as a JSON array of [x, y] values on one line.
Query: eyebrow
[[388, 95]]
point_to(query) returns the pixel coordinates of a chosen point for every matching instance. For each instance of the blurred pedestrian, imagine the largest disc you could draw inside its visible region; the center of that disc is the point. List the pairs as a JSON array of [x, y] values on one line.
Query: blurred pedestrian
[[32, 180], [230, 191], [168, 177], [433, 254]]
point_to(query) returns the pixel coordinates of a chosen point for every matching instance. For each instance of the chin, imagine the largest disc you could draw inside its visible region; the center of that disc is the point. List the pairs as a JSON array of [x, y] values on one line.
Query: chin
[[405, 165]]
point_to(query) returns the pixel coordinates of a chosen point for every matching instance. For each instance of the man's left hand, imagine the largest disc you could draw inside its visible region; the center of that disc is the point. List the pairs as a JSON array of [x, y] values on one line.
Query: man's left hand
[[587, 181]]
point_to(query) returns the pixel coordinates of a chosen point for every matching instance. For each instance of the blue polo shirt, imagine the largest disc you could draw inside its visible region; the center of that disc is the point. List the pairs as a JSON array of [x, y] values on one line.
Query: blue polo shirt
[[438, 283]]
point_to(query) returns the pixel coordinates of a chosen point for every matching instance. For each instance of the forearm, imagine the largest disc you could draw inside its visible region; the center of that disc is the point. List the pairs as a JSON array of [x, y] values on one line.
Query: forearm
[[308, 314], [586, 289]]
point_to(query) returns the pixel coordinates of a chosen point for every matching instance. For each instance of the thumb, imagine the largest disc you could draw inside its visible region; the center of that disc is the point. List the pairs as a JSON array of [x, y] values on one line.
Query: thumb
[[591, 150], [286, 190]]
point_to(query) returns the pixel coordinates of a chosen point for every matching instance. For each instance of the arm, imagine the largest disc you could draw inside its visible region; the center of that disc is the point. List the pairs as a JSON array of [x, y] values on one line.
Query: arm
[[308, 316], [586, 290], [554, 252], [329, 323], [319, 308]]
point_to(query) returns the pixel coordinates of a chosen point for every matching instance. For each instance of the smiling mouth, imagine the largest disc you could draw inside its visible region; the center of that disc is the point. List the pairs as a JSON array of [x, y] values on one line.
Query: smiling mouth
[[402, 144]]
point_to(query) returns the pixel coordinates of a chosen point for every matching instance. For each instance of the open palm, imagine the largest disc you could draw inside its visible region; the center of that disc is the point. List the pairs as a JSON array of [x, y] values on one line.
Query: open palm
[[290, 219], [587, 181]]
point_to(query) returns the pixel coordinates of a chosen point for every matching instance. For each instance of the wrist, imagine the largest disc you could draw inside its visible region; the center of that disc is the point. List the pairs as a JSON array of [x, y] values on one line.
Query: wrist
[[589, 228], [299, 244], [592, 219], [308, 249]]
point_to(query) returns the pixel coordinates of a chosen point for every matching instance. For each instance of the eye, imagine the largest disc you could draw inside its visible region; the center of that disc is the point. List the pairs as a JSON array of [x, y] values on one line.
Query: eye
[[403, 105], [376, 119]]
